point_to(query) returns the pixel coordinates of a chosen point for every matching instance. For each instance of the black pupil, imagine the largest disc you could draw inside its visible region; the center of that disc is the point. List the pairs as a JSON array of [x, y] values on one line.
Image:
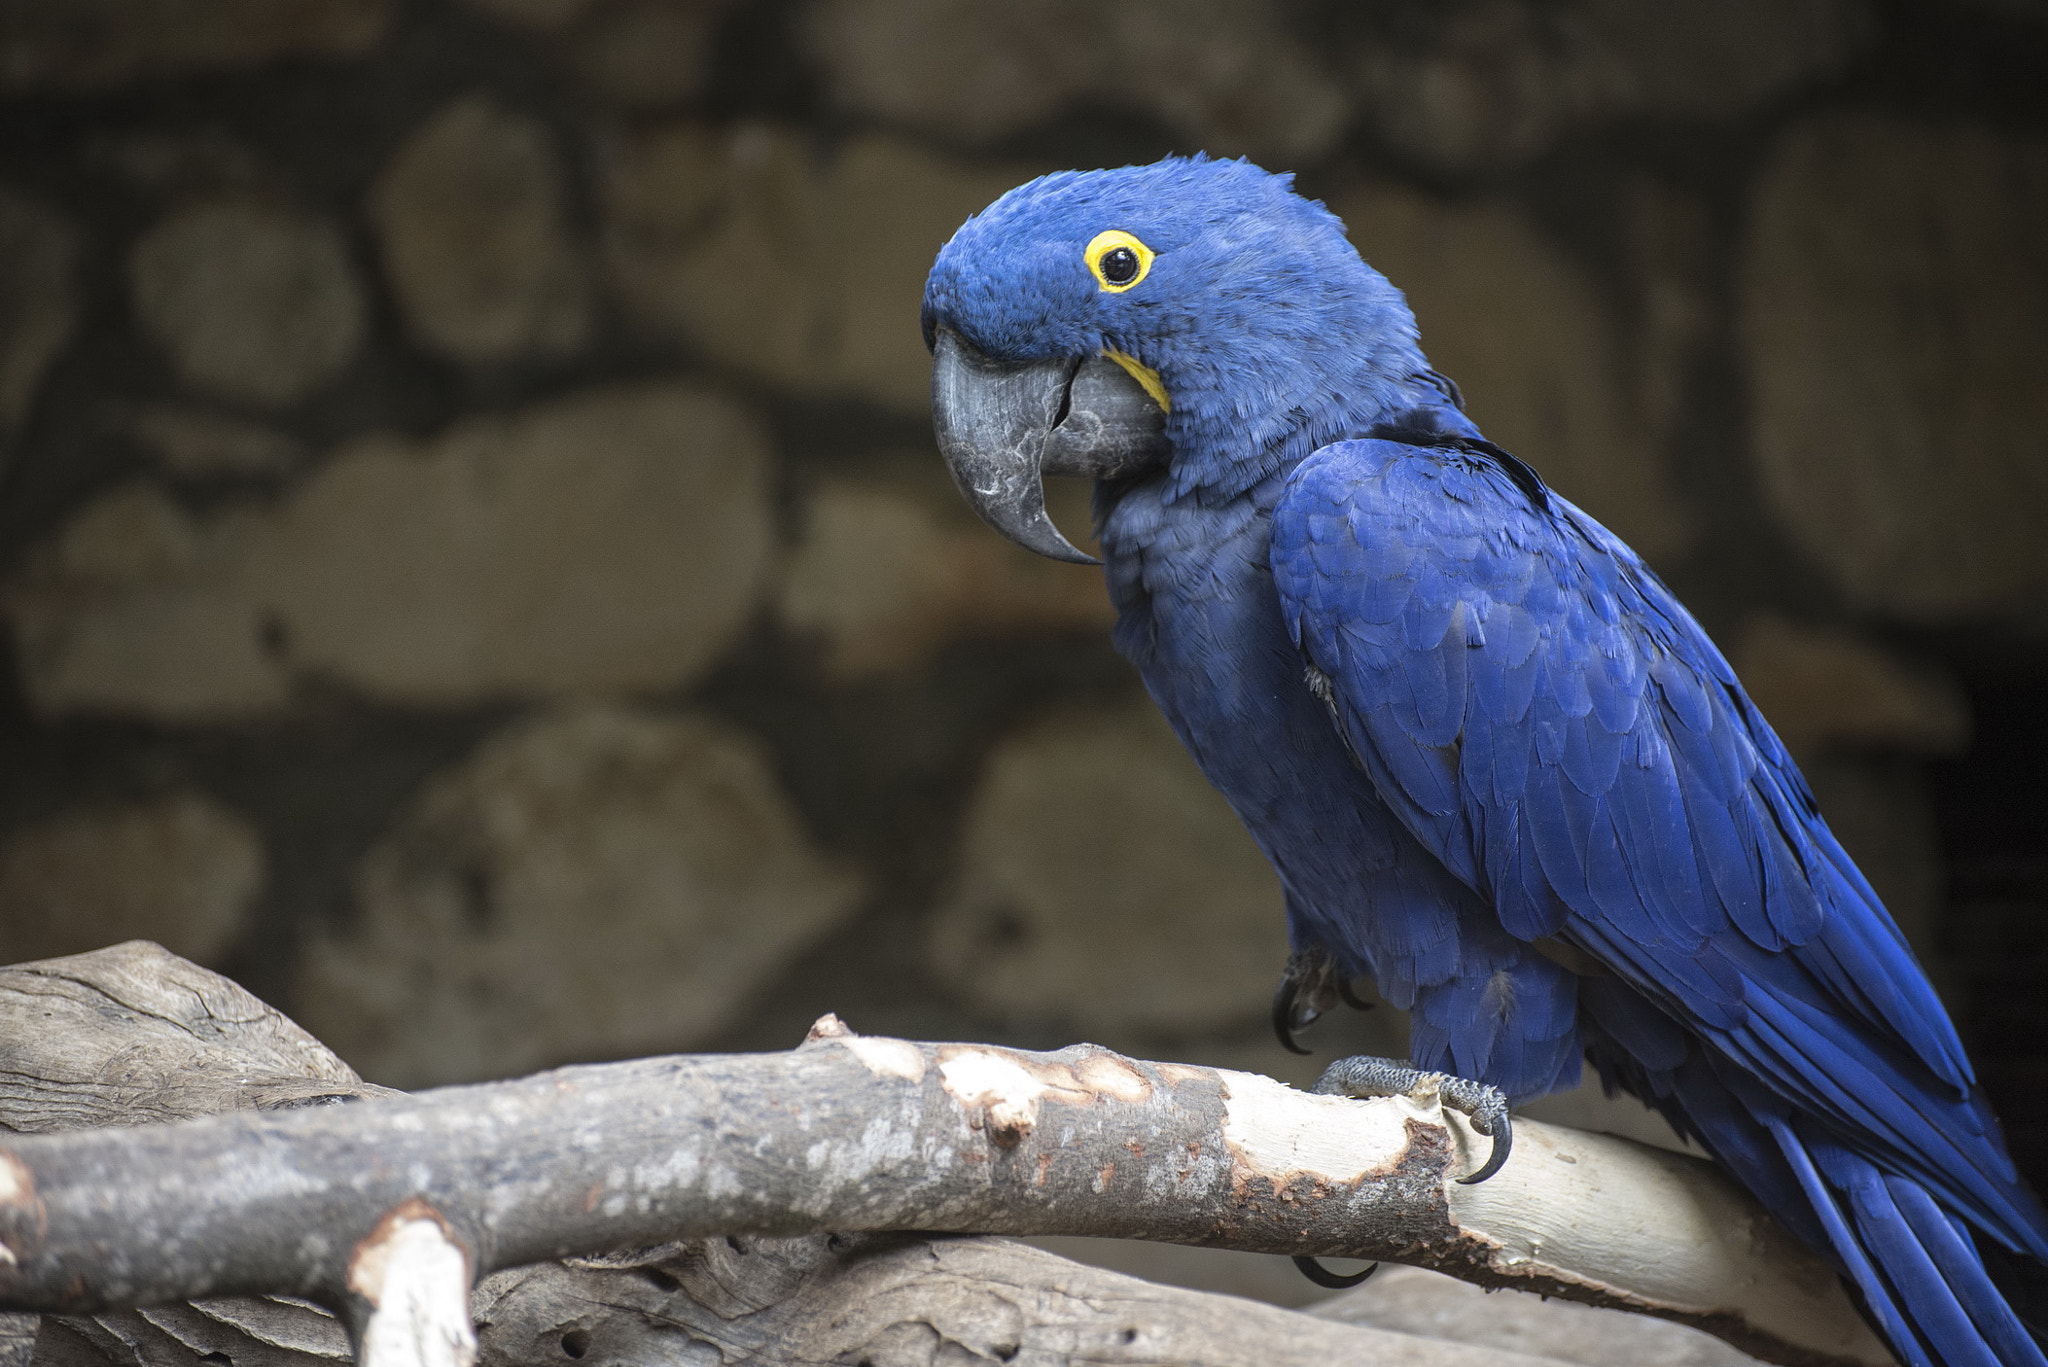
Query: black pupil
[[1120, 265]]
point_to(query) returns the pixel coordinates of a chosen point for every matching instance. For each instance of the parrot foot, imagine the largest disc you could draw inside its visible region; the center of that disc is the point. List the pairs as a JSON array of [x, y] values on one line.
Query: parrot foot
[[1487, 1106], [1310, 987]]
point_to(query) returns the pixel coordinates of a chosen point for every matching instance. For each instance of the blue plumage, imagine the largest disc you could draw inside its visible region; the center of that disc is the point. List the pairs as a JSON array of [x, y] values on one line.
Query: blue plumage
[[1479, 740]]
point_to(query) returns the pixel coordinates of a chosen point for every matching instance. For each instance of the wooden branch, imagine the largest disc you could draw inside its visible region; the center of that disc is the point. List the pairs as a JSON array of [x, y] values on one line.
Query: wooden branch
[[887, 1300], [852, 1134]]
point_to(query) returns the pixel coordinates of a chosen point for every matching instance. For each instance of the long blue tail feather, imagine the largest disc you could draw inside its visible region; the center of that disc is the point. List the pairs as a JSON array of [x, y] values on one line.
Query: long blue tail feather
[[1963, 1270], [1943, 1293], [1924, 1294], [1916, 1267], [1875, 1292]]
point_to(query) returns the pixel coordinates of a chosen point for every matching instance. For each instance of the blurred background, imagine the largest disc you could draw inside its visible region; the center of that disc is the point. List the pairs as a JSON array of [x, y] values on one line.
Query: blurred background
[[476, 570]]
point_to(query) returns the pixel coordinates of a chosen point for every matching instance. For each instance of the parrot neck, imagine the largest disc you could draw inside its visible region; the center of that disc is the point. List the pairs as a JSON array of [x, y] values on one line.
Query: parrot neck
[[1254, 396], [1245, 426]]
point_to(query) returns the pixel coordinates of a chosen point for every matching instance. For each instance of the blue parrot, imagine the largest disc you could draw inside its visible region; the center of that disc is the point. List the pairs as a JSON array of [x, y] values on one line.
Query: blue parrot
[[1497, 766]]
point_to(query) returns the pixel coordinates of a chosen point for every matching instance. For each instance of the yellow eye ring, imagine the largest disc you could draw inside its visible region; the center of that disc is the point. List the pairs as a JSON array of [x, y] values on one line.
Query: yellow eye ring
[[1118, 250]]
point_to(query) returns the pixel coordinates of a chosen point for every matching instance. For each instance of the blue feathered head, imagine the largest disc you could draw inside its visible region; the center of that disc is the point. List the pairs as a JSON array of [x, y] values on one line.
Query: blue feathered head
[[1239, 305]]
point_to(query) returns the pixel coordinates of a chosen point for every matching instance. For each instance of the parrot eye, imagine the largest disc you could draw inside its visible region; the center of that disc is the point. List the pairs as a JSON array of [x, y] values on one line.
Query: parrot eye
[[1117, 260]]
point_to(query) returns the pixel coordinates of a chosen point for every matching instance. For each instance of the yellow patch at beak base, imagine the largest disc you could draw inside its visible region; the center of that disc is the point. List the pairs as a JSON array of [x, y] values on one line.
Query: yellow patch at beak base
[[1147, 378]]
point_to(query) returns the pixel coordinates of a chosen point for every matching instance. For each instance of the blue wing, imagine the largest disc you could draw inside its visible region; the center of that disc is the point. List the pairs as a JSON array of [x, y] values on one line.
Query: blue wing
[[1542, 714]]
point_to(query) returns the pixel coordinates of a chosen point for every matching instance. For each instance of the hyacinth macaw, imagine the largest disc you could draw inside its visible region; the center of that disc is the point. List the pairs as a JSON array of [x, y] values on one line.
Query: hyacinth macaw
[[1497, 766]]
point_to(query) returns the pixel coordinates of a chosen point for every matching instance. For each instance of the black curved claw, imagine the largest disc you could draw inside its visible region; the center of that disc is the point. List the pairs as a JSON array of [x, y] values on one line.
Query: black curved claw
[[1311, 986], [1491, 1119], [1335, 1281], [1283, 1017], [1487, 1106]]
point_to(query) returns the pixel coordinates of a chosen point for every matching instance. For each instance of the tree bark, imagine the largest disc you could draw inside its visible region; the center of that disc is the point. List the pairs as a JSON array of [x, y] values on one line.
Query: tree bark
[[847, 1134], [135, 1035]]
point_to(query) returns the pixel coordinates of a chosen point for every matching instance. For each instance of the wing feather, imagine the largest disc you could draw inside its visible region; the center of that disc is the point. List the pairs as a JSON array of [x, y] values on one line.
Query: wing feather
[[1541, 713]]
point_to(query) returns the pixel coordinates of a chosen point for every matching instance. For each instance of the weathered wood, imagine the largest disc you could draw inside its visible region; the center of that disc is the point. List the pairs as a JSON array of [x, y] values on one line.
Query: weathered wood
[[888, 1302], [1411, 1300], [898, 1300], [18, 1339], [855, 1133], [124, 1013], [135, 1035], [852, 1134], [132, 1033]]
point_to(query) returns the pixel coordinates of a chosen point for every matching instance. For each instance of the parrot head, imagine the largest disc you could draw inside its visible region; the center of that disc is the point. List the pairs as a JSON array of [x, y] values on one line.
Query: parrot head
[[1192, 316]]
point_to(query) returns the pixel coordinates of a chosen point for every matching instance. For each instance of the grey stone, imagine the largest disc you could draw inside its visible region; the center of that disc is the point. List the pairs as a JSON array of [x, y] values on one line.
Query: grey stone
[[1233, 78], [200, 443], [891, 566], [85, 45], [253, 301], [1105, 887], [1895, 301], [1527, 336], [609, 542], [613, 541], [1431, 1305], [713, 236], [1487, 83], [179, 869], [37, 309], [1825, 689], [135, 607], [808, 273], [133, 533], [471, 221], [645, 54], [590, 883]]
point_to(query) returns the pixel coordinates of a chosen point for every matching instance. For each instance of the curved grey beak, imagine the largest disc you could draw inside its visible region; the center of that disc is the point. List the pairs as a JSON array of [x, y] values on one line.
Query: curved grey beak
[[1003, 428]]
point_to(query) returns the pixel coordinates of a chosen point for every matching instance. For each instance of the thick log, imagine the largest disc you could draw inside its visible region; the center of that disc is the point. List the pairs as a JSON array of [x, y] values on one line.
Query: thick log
[[899, 1300], [853, 1134], [135, 1035]]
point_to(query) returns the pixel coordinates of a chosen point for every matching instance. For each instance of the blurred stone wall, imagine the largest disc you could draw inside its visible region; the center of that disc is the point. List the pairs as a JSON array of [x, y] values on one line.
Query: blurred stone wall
[[475, 568]]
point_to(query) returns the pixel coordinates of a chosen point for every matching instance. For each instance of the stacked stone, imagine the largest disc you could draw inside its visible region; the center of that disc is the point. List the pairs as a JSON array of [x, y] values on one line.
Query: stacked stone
[[476, 568]]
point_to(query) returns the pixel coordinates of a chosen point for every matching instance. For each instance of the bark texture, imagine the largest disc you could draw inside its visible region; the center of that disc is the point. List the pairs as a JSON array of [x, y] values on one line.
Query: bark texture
[[752, 1153], [135, 1035]]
